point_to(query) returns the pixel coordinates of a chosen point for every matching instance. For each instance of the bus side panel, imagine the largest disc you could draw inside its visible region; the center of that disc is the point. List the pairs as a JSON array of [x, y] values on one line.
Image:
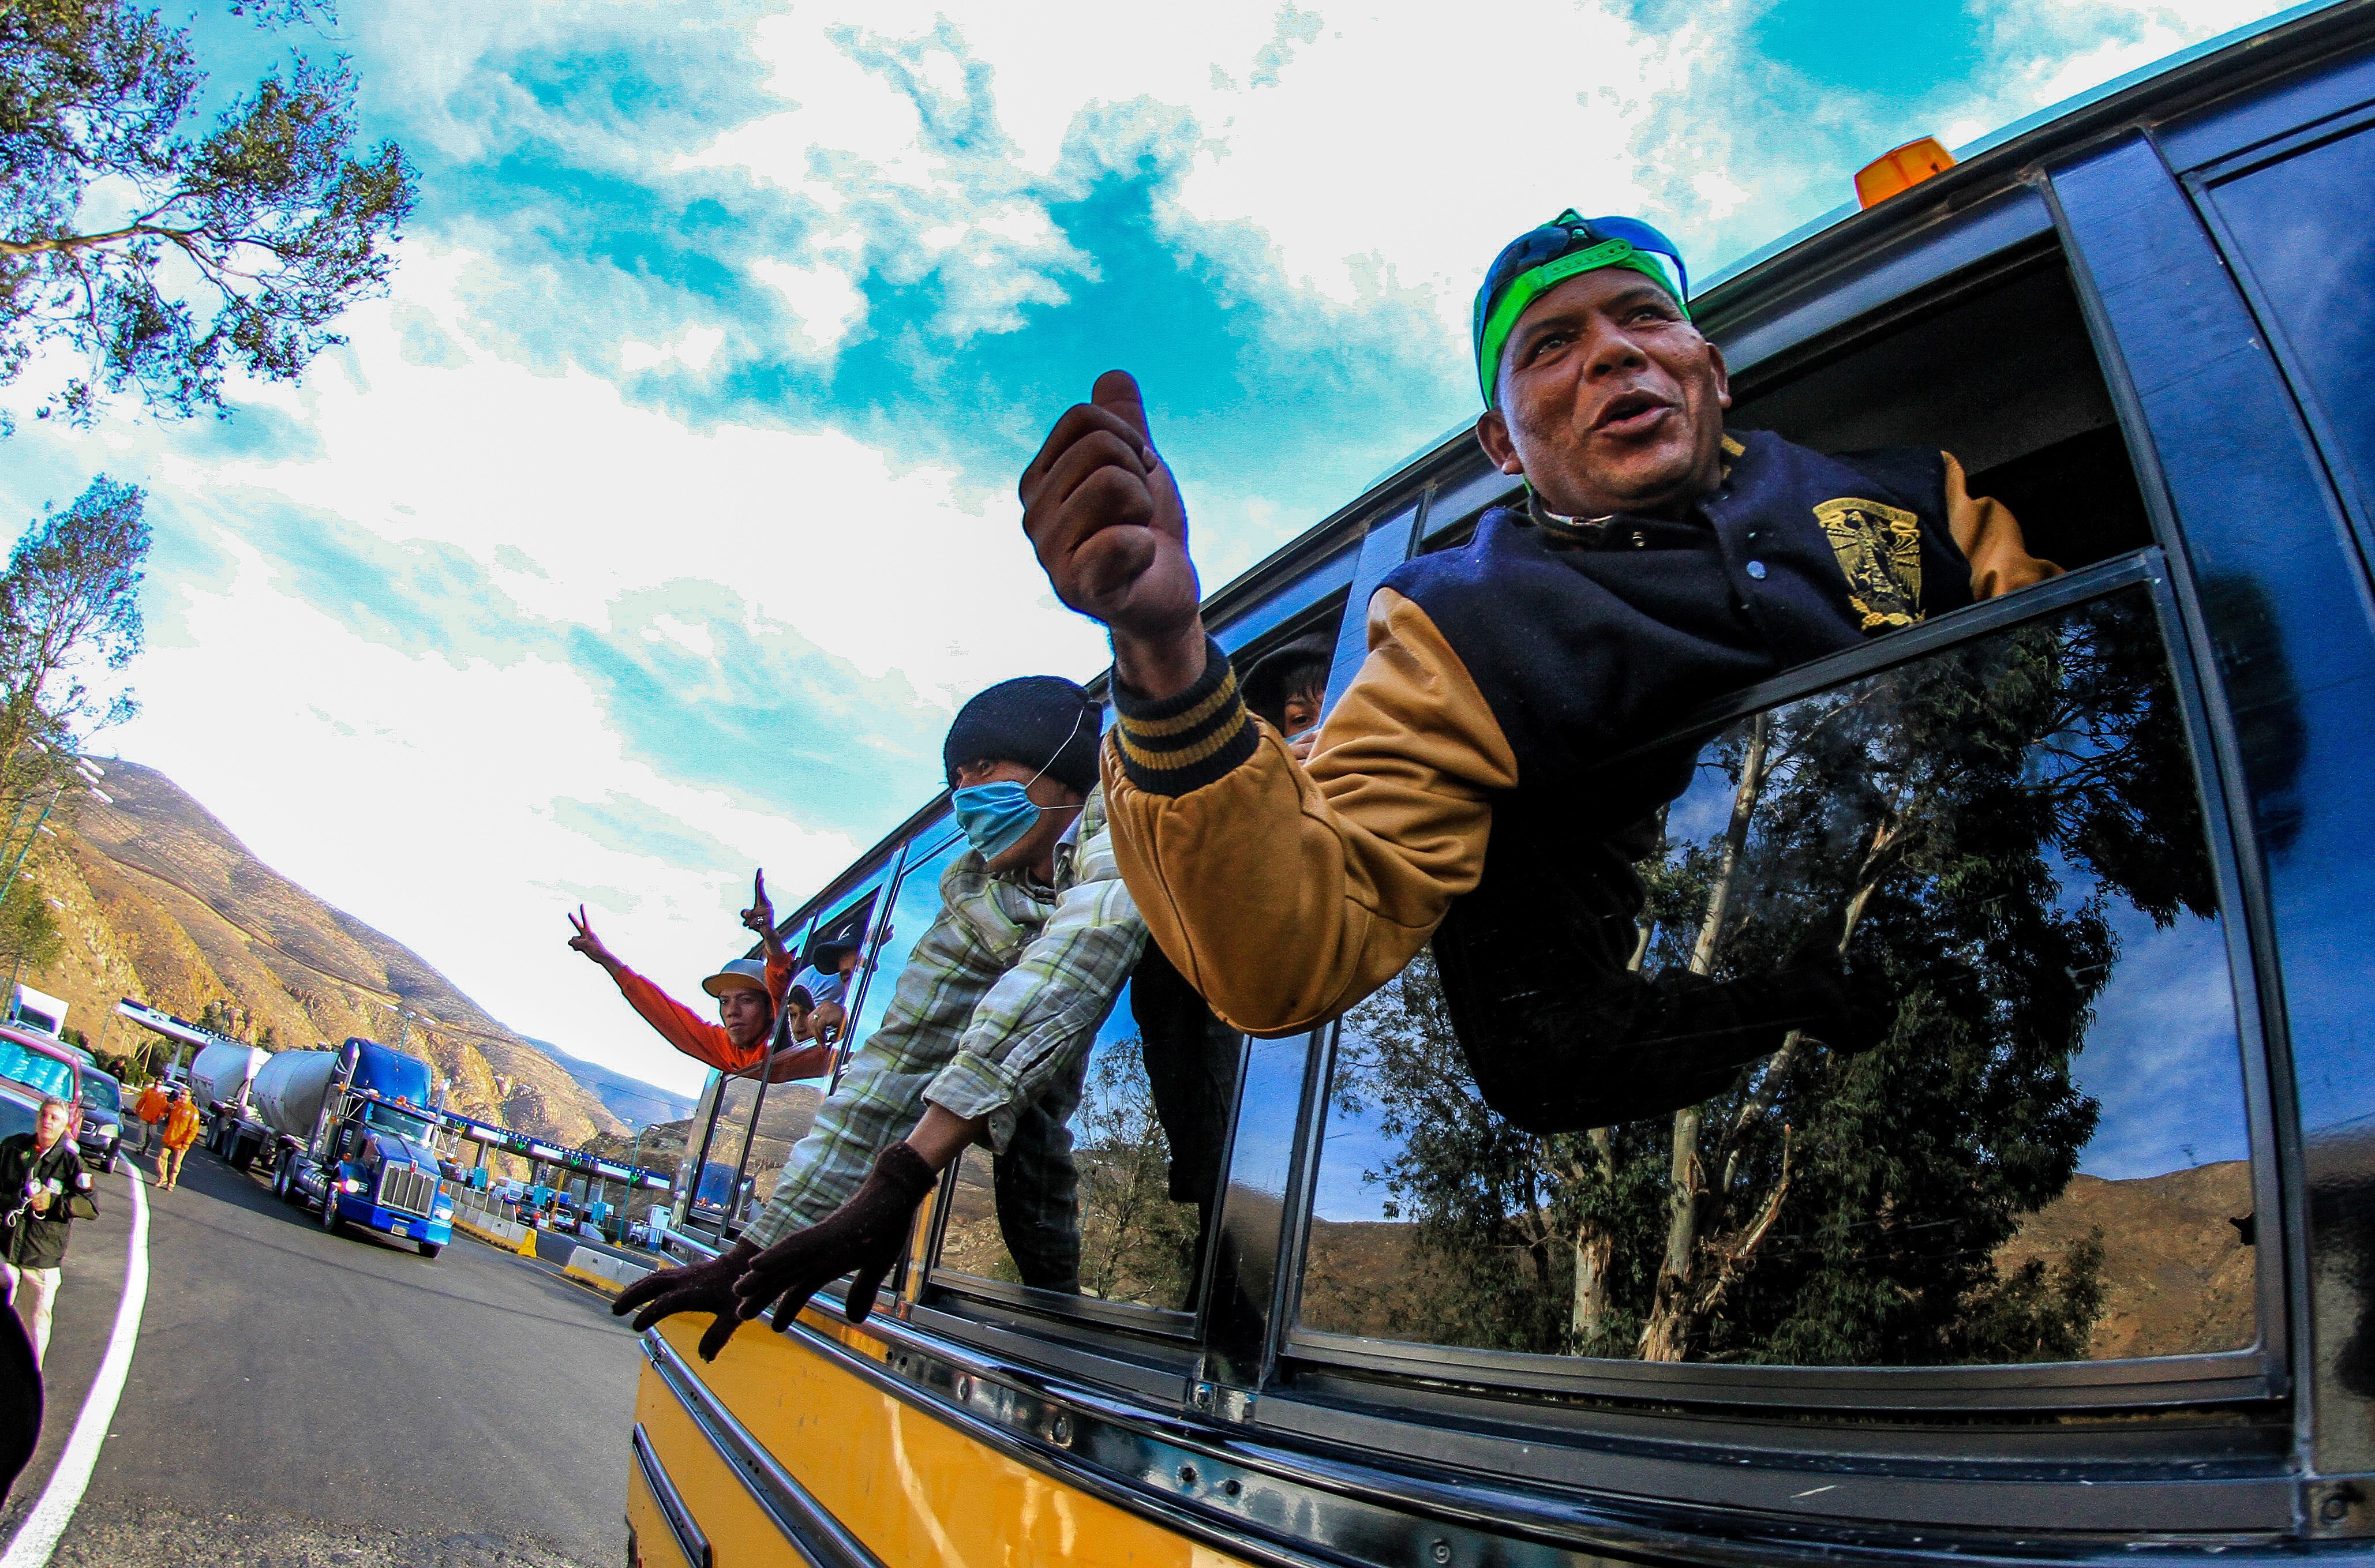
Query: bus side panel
[[740, 1532], [913, 1489]]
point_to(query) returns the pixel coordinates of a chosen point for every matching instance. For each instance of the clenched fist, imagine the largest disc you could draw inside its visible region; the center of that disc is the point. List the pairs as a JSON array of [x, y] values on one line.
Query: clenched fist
[[1104, 513]]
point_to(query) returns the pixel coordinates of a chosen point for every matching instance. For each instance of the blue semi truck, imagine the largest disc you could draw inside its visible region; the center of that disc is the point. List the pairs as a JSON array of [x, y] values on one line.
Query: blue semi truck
[[351, 1135]]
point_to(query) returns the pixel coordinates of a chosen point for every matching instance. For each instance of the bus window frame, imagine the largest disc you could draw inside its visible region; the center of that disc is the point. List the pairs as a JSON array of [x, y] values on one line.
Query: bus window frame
[[2254, 1373], [875, 883], [880, 869], [2354, 491], [1272, 625], [750, 1127]]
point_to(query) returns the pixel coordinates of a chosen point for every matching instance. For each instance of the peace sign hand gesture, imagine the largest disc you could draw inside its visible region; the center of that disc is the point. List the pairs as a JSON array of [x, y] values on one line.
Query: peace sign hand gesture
[[589, 944]]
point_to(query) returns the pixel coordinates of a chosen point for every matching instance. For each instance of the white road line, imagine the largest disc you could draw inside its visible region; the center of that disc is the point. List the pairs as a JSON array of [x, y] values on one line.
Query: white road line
[[38, 1535]]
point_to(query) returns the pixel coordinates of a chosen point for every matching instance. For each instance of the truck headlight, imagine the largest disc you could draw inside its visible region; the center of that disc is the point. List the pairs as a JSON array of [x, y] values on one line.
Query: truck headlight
[[350, 1185]]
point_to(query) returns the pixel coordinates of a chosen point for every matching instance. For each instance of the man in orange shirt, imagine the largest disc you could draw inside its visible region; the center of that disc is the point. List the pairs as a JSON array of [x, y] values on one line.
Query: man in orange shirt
[[181, 1131], [149, 1111], [749, 993]]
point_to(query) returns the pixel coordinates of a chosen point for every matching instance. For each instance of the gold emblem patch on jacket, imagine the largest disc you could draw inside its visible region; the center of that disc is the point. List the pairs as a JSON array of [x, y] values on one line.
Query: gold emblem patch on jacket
[[1880, 552]]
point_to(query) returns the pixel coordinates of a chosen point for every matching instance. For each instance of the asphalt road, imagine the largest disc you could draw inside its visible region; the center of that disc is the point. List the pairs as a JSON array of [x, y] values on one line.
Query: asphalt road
[[299, 1399]]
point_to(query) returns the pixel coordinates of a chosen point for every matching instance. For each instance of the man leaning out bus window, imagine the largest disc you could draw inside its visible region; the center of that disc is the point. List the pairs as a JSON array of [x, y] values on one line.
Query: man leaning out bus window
[[1657, 561], [985, 1040], [750, 992]]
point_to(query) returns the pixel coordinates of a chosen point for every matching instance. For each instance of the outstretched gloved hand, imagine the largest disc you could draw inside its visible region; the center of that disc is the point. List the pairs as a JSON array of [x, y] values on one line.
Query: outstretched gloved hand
[[1857, 1006], [699, 1287], [864, 1235]]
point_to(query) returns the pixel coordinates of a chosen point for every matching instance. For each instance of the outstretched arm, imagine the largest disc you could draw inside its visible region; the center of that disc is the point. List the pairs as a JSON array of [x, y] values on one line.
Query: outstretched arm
[[760, 917], [1286, 893], [681, 1027]]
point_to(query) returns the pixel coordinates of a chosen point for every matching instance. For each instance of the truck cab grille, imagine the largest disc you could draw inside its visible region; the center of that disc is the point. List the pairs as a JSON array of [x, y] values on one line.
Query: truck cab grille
[[407, 1190]]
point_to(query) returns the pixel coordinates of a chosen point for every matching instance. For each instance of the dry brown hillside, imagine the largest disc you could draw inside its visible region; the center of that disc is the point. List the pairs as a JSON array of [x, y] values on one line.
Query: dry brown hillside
[[2177, 1278], [157, 899]]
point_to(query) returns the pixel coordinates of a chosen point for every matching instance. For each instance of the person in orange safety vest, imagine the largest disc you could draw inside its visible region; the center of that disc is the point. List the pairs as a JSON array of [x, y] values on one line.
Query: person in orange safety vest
[[181, 1131], [149, 1110]]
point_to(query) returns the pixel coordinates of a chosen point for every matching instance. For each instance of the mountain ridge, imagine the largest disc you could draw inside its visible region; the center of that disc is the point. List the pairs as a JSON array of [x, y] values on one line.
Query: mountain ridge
[[158, 899], [632, 1099]]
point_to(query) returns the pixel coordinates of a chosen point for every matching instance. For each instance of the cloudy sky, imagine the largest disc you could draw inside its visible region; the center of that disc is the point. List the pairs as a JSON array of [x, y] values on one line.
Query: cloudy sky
[[650, 528]]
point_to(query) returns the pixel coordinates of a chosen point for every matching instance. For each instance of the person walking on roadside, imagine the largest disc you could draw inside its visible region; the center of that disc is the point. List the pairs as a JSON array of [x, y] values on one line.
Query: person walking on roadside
[[181, 1131], [44, 1188], [149, 1110]]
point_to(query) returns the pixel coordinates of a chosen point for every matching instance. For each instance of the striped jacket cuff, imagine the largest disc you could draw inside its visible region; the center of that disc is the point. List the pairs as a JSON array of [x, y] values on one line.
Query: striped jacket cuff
[[1183, 743]]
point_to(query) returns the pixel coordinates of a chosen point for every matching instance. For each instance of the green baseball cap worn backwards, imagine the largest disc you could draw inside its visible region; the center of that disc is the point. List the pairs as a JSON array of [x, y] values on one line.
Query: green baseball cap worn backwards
[[1541, 259]]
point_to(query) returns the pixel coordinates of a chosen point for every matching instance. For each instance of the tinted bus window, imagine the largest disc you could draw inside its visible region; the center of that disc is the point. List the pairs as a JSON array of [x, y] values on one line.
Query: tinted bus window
[[783, 1115], [2304, 238], [2005, 378], [912, 913], [1108, 1187], [2014, 1131]]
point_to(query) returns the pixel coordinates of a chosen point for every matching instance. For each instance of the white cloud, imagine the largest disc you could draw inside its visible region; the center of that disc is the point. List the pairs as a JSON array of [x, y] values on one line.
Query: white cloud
[[826, 301], [432, 795], [693, 350], [1347, 182], [1718, 193]]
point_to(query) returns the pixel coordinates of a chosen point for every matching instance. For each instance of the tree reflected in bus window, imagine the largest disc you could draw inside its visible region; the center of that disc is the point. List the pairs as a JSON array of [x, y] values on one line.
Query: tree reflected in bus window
[[1117, 1171], [2040, 1154]]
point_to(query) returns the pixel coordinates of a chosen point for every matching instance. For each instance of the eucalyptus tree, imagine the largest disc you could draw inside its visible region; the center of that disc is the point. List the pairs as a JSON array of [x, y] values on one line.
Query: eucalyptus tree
[[162, 249]]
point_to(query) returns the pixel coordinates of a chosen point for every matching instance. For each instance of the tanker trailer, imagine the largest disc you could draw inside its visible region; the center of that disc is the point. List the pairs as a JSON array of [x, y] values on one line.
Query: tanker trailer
[[351, 1135], [219, 1075]]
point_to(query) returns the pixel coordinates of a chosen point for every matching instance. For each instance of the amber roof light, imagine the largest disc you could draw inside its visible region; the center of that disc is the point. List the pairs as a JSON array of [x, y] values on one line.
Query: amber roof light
[[1900, 170]]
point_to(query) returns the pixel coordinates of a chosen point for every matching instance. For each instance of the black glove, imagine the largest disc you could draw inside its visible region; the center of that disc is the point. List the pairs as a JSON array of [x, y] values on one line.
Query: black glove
[[699, 1287], [864, 1235], [1857, 1008]]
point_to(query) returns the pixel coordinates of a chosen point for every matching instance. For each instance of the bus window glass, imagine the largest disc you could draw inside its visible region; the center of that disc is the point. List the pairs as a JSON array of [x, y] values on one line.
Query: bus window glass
[[912, 913], [789, 1108], [722, 1190], [2314, 258], [1107, 1188], [2010, 1128], [2003, 377]]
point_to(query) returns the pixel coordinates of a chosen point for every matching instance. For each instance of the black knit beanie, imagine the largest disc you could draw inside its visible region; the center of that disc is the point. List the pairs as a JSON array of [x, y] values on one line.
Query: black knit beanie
[[1036, 720]]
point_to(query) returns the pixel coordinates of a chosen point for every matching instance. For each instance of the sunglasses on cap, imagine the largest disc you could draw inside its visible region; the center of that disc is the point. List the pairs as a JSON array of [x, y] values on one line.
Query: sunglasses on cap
[[1543, 258]]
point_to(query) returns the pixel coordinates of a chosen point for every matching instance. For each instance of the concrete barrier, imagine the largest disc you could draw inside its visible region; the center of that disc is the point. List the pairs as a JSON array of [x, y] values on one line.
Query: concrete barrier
[[480, 1225], [598, 1270]]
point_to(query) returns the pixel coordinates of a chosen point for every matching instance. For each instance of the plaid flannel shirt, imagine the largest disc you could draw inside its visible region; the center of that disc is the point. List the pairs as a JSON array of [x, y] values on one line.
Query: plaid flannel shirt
[[999, 999]]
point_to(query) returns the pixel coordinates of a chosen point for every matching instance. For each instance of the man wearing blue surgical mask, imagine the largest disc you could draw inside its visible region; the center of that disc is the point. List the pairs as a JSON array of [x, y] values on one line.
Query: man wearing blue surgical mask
[[985, 1040]]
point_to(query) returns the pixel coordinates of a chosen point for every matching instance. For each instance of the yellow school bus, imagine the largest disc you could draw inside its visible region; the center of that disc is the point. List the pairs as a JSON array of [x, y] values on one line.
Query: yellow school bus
[[2078, 1264]]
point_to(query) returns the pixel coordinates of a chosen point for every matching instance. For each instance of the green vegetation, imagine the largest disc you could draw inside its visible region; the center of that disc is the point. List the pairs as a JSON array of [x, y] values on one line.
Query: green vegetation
[[164, 253], [1963, 827]]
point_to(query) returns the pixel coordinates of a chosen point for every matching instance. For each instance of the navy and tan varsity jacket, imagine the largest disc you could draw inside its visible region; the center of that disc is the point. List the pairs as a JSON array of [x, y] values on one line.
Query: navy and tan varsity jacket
[[1286, 892]]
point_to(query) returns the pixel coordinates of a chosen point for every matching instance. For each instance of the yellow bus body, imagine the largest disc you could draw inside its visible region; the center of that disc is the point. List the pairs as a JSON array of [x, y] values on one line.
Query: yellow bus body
[[909, 1486]]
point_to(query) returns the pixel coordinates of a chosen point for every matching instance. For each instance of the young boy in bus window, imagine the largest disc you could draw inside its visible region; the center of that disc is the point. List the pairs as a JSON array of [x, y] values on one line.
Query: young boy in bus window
[[985, 1040], [1659, 561], [1288, 686]]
